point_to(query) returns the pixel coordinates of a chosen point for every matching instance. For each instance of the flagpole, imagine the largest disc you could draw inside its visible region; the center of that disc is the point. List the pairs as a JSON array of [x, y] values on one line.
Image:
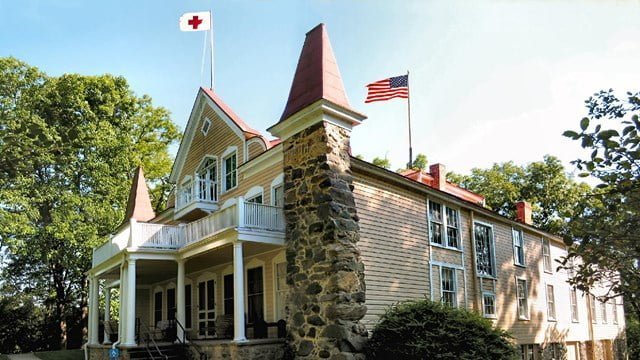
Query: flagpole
[[211, 38], [409, 121]]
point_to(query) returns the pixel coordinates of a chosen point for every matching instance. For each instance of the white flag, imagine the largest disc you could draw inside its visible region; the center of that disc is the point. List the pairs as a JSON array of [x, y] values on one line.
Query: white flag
[[195, 21]]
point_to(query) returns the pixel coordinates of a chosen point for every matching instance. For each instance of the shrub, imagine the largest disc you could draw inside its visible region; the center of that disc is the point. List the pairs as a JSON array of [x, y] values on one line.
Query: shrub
[[633, 339], [428, 330]]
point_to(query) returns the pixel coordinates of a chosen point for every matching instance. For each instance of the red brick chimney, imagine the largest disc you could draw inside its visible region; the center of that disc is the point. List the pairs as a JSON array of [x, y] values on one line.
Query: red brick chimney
[[523, 212], [439, 173]]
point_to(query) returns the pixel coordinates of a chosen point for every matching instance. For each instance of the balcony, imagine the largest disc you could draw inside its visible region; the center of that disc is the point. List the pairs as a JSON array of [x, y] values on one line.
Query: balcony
[[248, 219], [196, 196]]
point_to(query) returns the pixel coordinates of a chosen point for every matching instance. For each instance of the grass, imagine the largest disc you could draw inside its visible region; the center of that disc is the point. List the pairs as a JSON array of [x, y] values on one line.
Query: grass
[[61, 355]]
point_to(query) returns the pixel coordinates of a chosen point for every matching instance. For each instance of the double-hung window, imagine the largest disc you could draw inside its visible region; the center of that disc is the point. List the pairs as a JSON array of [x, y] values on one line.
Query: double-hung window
[[551, 303], [448, 287], [444, 225], [603, 311], [573, 296], [592, 307], [485, 250], [230, 171], [281, 288], [614, 305], [546, 255], [518, 247], [489, 304], [523, 303]]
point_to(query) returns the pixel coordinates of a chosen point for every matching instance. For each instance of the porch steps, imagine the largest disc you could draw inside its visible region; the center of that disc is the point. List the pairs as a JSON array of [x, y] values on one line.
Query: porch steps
[[172, 352]]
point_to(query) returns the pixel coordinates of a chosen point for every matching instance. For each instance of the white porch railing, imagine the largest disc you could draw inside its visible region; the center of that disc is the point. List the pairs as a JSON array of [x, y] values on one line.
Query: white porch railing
[[145, 235], [195, 191]]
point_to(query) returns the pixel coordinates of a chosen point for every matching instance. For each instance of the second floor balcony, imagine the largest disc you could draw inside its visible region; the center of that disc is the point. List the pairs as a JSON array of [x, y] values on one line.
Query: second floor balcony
[[193, 195], [248, 219]]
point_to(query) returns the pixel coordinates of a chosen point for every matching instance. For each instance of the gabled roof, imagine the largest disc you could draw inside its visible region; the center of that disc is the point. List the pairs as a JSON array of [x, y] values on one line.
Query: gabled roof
[[139, 203], [317, 75], [451, 188], [241, 128]]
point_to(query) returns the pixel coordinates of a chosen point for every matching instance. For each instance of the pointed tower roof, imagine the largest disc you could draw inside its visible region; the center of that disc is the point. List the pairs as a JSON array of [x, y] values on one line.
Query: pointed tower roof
[[317, 75], [139, 204]]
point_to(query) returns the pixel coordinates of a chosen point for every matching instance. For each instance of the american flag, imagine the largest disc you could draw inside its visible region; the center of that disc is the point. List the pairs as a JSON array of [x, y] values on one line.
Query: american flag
[[393, 87]]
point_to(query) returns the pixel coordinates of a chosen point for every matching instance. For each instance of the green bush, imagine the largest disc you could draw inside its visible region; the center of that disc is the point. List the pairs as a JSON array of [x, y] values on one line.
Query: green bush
[[428, 330], [633, 339]]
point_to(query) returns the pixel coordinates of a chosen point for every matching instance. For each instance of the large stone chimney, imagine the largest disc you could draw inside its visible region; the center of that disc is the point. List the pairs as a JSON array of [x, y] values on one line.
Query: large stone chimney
[[324, 271]]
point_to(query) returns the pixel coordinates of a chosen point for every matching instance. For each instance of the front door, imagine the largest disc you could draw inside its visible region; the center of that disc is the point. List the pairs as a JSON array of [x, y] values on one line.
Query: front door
[[206, 308]]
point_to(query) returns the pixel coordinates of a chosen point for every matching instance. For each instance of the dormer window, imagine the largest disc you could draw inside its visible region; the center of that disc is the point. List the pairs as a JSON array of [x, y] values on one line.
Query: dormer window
[[206, 125], [230, 170]]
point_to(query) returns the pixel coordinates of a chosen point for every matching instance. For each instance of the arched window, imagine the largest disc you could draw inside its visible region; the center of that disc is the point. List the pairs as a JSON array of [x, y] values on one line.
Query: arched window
[[206, 177]]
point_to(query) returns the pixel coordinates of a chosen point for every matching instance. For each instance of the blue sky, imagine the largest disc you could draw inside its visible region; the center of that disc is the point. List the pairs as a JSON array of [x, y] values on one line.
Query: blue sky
[[491, 81]]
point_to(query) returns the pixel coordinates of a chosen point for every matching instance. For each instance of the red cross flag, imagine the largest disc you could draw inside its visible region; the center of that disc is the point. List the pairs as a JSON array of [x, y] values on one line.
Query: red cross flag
[[195, 21]]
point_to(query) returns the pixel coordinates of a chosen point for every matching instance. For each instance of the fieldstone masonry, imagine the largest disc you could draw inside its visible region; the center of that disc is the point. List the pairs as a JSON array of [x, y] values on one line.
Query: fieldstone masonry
[[324, 271]]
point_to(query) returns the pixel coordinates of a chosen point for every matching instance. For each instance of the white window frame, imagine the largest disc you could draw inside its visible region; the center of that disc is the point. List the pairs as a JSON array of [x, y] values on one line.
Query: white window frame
[[486, 294], [197, 179], [229, 152], [206, 124], [454, 283], [615, 310], [546, 256], [253, 193], [492, 249], [252, 264], [517, 247], [603, 312], [187, 181], [525, 298], [573, 302], [278, 259], [444, 225], [551, 302], [276, 183], [592, 309]]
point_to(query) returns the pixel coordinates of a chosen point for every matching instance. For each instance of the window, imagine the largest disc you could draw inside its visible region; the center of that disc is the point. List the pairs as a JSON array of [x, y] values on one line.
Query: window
[[603, 311], [574, 305], [614, 305], [255, 199], [157, 308], [546, 255], [206, 177], [551, 303], [187, 307], [441, 218], [185, 195], [521, 293], [281, 288], [171, 304], [489, 304], [255, 295], [518, 247], [230, 172], [435, 223], [485, 262], [592, 307], [206, 125], [228, 294], [278, 195], [528, 351], [448, 288], [452, 227]]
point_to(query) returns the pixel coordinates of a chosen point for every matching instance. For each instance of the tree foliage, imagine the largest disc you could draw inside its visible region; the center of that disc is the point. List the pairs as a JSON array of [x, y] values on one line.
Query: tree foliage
[[429, 330], [606, 234], [383, 163], [554, 196], [420, 162], [68, 149]]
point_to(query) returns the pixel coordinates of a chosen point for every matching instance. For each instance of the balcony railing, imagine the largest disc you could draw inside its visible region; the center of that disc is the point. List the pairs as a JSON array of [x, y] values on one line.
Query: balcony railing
[[242, 215], [200, 190]]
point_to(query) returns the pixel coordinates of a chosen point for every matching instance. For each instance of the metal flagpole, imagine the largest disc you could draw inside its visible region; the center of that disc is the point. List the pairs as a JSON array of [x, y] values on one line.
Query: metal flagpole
[[211, 33], [409, 121], [204, 54]]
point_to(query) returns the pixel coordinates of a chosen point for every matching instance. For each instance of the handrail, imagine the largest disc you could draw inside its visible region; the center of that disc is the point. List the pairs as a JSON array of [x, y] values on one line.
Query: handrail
[[203, 356], [149, 337]]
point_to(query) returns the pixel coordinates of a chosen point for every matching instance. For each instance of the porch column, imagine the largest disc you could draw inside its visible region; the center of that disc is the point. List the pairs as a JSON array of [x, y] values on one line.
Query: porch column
[[180, 316], [238, 293], [107, 313], [130, 337], [93, 311], [122, 329]]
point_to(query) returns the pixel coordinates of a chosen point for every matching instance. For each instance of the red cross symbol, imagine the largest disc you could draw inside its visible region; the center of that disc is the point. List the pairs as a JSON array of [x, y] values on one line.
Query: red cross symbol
[[194, 22]]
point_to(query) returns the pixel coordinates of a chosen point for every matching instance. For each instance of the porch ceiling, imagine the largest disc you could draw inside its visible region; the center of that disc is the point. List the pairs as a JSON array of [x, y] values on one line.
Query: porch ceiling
[[224, 255]]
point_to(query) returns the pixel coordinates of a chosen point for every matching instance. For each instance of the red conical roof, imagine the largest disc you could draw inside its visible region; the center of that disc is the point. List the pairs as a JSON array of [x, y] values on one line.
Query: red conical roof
[[139, 204], [317, 75]]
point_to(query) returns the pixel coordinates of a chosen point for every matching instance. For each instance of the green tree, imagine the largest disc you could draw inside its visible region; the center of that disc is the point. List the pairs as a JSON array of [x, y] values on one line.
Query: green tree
[[420, 162], [606, 235], [554, 195], [383, 163], [68, 148]]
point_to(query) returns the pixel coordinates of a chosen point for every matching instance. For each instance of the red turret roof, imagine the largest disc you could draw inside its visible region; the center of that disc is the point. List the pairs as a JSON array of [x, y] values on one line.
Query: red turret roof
[[139, 204], [317, 75]]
